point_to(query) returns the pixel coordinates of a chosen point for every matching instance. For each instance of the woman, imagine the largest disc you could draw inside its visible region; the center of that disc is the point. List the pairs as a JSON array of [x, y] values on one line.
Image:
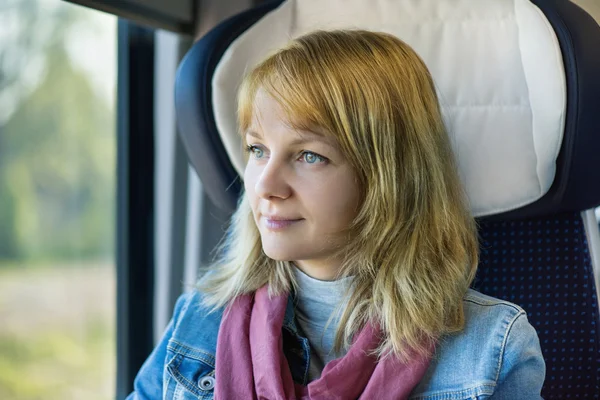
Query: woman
[[347, 267]]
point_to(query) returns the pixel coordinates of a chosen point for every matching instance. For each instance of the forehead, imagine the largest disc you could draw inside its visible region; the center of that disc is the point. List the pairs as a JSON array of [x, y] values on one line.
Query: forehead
[[296, 137], [269, 117]]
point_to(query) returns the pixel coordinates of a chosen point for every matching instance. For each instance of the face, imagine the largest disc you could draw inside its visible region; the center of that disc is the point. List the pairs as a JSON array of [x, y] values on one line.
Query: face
[[303, 193]]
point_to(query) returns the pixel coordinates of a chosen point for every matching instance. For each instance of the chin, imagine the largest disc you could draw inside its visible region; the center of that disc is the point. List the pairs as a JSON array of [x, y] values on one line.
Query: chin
[[278, 254]]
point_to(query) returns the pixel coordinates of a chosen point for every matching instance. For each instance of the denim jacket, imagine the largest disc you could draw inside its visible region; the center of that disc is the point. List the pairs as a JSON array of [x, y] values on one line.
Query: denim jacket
[[497, 355]]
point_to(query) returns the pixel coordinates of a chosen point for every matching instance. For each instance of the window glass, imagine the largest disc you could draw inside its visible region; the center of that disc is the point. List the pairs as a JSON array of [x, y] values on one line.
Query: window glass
[[57, 201]]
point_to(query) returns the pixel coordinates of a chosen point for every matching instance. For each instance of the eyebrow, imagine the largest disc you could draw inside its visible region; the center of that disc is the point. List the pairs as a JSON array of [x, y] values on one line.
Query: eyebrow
[[306, 136]]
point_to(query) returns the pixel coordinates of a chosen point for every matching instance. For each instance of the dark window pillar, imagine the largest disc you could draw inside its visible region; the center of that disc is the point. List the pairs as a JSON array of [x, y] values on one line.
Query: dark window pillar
[[135, 201]]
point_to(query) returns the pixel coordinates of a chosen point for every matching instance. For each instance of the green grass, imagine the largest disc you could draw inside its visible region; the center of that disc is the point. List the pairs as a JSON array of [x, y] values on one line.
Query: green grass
[[69, 356], [58, 364]]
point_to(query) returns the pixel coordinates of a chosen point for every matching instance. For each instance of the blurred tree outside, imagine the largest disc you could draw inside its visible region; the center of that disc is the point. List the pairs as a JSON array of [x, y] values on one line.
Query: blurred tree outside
[[57, 155], [57, 201]]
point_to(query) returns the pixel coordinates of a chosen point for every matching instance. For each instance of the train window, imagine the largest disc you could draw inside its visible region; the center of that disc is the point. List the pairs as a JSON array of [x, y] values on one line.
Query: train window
[[57, 201]]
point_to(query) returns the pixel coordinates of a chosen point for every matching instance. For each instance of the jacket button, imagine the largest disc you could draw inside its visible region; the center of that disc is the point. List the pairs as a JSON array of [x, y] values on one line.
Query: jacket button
[[206, 383]]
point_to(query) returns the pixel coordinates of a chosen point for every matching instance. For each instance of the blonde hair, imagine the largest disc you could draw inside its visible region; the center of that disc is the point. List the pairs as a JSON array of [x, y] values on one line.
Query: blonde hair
[[412, 249]]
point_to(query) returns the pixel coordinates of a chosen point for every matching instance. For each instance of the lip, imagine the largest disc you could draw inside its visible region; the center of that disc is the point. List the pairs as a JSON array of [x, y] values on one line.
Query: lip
[[278, 223]]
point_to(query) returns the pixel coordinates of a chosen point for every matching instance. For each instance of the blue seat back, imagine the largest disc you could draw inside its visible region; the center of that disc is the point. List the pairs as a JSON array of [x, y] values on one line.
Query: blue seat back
[[543, 264]]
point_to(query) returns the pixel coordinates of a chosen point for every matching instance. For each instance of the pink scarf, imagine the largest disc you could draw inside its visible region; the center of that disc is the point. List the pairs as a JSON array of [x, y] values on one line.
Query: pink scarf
[[251, 364]]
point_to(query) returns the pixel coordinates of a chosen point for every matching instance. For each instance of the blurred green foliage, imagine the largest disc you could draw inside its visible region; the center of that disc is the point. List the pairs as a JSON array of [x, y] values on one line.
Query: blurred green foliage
[[57, 147], [56, 365], [57, 206]]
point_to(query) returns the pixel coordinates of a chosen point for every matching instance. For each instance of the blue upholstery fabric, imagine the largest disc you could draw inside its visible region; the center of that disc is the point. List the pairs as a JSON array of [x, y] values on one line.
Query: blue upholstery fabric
[[543, 264]]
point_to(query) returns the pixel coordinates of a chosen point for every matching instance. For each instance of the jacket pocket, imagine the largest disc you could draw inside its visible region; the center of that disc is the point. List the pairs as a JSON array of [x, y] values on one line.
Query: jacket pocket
[[189, 373]]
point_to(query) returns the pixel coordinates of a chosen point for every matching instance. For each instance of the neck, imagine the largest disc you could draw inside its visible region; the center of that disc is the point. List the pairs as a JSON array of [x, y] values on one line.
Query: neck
[[322, 270]]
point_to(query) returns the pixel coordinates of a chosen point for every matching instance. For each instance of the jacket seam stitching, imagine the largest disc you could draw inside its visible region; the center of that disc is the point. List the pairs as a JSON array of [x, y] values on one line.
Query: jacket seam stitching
[[462, 392], [502, 303], [172, 367], [191, 352], [504, 342], [186, 383]]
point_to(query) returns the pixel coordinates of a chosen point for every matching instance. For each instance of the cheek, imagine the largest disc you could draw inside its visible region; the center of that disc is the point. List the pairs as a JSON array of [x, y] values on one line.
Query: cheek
[[250, 176], [337, 201], [348, 203]]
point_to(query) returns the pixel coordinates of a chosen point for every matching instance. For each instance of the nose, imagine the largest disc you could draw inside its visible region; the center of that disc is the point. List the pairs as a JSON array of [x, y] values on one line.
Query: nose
[[273, 181]]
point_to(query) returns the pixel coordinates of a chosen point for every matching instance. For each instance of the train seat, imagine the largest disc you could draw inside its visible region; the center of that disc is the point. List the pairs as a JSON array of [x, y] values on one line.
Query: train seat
[[519, 85]]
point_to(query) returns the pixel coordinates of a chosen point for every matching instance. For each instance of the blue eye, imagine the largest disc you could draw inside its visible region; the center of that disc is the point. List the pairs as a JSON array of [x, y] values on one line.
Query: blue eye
[[255, 151], [312, 158]]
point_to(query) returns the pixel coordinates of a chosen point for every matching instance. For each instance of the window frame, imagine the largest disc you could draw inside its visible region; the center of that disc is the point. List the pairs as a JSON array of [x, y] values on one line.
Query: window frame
[[174, 15], [135, 201]]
